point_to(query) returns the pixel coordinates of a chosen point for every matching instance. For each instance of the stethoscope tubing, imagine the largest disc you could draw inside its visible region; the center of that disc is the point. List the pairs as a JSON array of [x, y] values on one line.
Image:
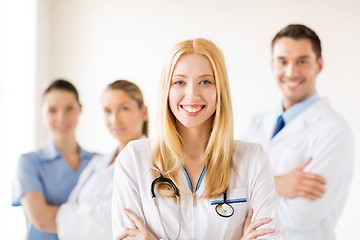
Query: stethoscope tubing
[[176, 192], [163, 179], [222, 209]]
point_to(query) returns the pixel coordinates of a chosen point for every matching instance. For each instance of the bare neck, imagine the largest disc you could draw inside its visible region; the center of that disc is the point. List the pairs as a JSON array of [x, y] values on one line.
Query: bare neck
[[288, 103], [69, 150], [195, 141], [122, 145], [68, 146]]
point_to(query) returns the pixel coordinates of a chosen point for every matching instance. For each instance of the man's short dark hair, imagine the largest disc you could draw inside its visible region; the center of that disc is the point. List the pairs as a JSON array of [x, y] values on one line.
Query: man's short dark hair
[[299, 31]]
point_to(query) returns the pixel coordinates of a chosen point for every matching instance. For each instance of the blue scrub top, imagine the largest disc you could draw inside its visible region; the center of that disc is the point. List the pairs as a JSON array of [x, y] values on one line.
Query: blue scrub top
[[45, 171]]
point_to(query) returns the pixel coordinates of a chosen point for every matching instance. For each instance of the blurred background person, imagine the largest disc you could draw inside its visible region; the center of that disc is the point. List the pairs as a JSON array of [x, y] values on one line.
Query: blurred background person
[[310, 146], [45, 178], [87, 213]]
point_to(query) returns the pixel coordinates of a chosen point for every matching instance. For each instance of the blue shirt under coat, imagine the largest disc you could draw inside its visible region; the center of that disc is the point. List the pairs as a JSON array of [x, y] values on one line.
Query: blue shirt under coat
[[46, 171], [298, 108]]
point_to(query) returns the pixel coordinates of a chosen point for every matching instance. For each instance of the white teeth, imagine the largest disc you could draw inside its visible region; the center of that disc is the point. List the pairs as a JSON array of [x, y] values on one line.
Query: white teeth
[[192, 109], [292, 84]]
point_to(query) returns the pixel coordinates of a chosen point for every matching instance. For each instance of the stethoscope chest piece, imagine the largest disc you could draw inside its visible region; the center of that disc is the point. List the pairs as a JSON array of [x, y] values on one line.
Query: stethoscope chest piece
[[224, 210]]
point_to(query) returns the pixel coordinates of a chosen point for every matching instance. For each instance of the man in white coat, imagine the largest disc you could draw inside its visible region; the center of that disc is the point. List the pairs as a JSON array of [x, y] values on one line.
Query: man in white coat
[[310, 146]]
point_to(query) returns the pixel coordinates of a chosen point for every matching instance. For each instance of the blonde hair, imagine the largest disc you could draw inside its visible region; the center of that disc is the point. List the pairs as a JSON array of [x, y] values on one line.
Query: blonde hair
[[167, 151], [134, 93]]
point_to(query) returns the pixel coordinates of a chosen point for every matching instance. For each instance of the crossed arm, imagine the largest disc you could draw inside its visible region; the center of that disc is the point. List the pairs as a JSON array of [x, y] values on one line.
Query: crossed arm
[[140, 232], [39, 212], [304, 193], [298, 183]]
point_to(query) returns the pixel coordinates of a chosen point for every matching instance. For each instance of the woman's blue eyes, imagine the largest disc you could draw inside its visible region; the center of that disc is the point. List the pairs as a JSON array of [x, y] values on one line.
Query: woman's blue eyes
[[179, 83], [203, 82]]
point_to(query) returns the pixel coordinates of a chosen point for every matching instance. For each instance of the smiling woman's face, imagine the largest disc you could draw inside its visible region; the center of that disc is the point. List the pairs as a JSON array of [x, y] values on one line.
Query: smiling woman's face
[[60, 112], [123, 117], [192, 94]]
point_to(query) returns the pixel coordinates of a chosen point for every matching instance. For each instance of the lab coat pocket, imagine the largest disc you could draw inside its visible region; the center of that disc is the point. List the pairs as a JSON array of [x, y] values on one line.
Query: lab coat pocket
[[237, 199], [289, 159]]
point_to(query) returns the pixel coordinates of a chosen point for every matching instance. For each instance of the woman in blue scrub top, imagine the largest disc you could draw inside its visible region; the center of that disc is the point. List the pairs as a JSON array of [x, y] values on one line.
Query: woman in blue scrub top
[[46, 177]]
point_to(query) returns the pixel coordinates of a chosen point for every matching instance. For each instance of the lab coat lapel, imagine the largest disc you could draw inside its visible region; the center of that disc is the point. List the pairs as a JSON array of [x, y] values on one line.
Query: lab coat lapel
[[293, 127], [313, 113]]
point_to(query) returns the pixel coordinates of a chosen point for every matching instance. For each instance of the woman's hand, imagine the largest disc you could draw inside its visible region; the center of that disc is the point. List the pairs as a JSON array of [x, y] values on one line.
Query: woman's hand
[[138, 233], [251, 232]]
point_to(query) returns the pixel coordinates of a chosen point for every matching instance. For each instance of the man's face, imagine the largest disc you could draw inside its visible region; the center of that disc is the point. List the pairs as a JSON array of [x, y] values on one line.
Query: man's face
[[295, 68]]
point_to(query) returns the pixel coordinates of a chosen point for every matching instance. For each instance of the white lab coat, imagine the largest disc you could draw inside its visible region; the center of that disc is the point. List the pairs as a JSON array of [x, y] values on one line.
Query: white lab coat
[[132, 185], [319, 132], [87, 213]]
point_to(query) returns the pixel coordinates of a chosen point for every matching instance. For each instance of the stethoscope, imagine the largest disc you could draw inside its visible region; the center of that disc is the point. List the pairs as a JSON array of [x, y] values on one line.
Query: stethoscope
[[222, 209], [168, 181]]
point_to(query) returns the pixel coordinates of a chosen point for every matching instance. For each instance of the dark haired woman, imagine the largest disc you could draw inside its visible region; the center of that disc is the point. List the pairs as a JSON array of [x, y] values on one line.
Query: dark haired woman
[[46, 177]]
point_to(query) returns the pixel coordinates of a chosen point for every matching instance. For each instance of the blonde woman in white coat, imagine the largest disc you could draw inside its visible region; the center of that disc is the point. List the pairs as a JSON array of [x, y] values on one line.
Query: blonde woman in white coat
[[87, 213], [215, 180]]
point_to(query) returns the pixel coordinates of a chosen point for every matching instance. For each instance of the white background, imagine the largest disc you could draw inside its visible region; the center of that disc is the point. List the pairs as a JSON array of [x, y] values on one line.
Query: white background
[[93, 42]]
